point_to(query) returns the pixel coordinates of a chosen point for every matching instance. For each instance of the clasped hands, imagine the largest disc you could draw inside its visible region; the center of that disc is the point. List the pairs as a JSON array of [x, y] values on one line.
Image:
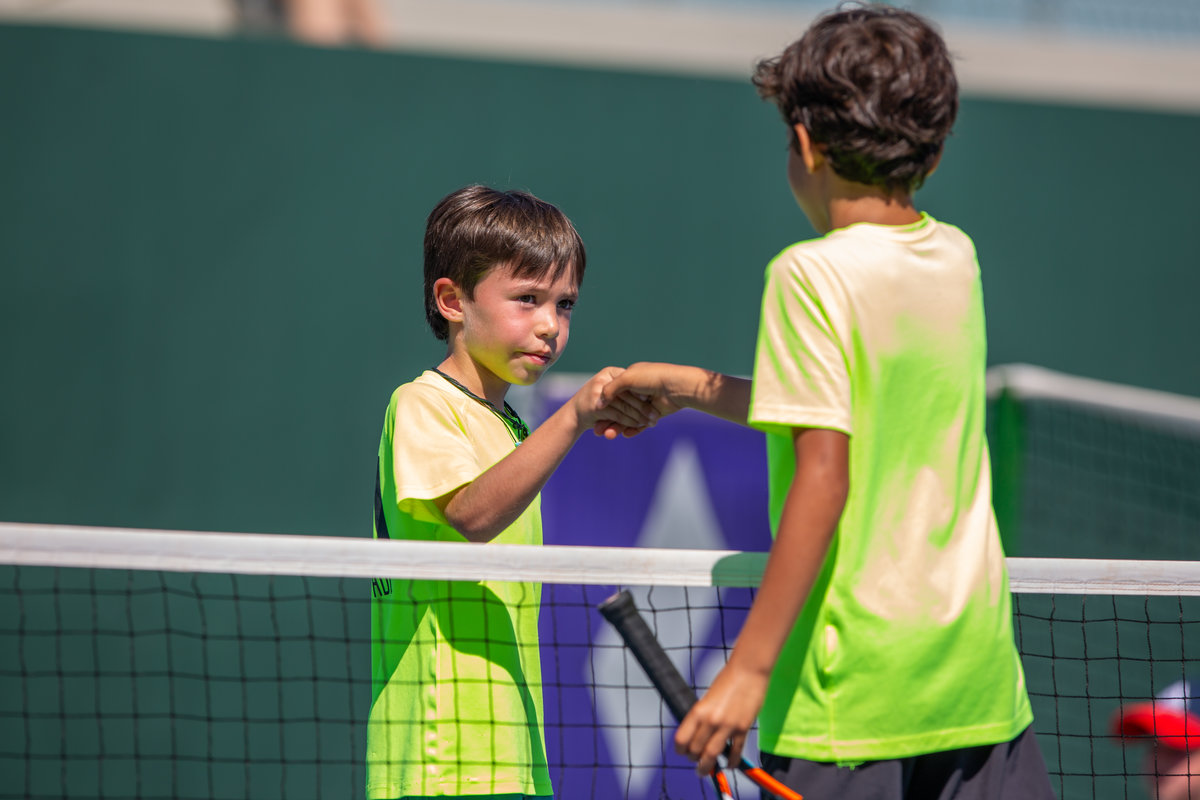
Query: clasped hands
[[637, 397]]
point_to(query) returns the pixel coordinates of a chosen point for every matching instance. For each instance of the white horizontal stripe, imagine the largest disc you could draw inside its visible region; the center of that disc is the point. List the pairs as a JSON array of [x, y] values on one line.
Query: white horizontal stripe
[[1027, 382], [352, 557], [1103, 576], [1021, 62], [349, 557]]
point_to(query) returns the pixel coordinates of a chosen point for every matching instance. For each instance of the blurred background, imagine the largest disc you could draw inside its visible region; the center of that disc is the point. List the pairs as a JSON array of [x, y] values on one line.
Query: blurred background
[[211, 215]]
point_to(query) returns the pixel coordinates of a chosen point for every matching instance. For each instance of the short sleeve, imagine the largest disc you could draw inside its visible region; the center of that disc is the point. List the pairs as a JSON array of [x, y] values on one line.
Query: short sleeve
[[431, 452], [801, 377]]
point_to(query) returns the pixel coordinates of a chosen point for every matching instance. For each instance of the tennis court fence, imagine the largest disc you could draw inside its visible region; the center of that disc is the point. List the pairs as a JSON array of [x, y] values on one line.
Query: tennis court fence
[[156, 664]]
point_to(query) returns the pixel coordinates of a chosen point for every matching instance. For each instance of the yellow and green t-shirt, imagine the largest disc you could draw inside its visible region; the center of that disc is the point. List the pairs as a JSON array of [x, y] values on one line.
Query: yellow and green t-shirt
[[456, 676], [905, 645]]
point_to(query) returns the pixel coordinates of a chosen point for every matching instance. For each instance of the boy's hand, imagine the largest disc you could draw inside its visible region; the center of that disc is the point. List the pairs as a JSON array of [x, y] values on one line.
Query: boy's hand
[[624, 413], [670, 387], [645, 384], [654, 407], [666, 386], [723, 715]]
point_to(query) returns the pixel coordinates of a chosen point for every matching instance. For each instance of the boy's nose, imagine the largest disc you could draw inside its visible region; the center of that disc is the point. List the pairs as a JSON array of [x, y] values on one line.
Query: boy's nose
[[547, 325]]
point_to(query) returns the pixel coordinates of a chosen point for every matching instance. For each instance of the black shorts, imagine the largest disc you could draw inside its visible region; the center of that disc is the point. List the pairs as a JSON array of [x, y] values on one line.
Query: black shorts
[[1012, 770]]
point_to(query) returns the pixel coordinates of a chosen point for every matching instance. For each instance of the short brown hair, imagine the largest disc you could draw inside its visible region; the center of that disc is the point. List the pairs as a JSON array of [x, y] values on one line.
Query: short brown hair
[[875, 85], [477, 228]]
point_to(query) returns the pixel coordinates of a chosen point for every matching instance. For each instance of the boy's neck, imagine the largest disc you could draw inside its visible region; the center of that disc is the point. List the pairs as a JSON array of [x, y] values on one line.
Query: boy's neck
[[854, 203], [475, 379]]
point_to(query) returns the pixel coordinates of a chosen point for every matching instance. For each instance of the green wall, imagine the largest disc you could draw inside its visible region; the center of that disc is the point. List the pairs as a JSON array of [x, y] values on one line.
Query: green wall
[[210, 251]]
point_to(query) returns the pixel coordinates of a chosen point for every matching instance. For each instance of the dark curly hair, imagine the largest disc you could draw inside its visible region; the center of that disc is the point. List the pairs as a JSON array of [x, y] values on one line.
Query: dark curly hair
[[875, 86], [477, 228]]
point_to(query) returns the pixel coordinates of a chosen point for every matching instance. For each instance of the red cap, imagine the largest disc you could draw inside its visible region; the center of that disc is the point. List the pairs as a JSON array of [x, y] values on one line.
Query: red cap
[[1172, 717]]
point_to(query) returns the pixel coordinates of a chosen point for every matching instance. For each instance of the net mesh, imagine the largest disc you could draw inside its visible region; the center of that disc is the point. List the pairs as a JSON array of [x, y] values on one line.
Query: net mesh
[[1087, 659], [161, 684], [1128, 487], [157, 682], [1084, 467]]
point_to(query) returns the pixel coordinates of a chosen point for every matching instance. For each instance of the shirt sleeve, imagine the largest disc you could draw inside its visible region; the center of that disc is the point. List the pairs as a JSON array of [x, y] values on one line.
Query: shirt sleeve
[[431, 451], [801, 376]]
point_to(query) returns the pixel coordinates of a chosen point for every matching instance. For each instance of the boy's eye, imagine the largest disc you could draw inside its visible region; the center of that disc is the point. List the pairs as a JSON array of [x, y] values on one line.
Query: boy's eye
[[566, 305], [527, 298]]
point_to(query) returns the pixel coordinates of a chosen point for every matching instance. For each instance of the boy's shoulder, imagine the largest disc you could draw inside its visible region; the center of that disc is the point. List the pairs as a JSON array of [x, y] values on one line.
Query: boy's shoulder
[[424, 394], [429, 407], [428, 383], [818, 259], [866, 244]]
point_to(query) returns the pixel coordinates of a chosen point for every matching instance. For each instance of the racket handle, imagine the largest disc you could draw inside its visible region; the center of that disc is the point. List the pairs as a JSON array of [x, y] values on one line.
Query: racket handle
[[623, 614]]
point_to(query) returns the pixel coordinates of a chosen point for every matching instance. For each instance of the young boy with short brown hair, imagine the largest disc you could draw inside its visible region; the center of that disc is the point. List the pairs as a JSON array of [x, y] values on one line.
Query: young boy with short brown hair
[[457, 697]]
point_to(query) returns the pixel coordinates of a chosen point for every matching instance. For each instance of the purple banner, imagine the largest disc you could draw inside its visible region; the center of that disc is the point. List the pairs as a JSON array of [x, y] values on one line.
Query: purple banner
[[691, 482]]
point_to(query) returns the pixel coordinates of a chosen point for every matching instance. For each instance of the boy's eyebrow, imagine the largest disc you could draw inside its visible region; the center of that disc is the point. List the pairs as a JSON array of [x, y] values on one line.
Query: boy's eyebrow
[[541, 284]]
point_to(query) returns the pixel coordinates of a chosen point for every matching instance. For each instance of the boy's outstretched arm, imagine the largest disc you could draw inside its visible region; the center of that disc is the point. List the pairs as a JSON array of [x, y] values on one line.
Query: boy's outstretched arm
[[483, 508], [806, 527], [674, 386]]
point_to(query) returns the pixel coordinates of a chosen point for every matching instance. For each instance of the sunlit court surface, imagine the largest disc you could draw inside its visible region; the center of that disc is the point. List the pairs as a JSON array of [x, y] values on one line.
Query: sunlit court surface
[[210, 246]]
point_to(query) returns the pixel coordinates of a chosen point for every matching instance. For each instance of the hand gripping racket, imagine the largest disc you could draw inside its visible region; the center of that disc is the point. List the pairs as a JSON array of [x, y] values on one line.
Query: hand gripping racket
[[679, 697]]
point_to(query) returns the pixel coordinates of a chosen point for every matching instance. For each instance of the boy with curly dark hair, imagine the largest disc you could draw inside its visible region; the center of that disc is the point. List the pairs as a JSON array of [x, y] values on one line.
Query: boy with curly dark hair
[[878, 655]]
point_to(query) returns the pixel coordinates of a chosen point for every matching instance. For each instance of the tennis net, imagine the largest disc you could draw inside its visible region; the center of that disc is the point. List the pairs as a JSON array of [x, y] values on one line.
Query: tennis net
[[168, 664], [1088, 467]]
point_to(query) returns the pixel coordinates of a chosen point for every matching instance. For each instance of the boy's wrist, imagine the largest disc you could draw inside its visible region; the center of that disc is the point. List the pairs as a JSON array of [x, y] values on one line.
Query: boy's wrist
[[684, 386], [567, 415], [752, 665], [704, 388]]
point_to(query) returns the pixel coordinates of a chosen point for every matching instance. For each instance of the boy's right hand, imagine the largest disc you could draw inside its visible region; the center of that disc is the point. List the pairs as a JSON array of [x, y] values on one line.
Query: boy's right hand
[[670, 387], [612, 415], [648, 386]]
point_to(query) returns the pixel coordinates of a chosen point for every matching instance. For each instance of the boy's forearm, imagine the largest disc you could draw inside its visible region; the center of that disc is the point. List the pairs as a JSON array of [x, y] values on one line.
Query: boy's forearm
[[723, 396], [486, 506], [807, 524], [683, 386]]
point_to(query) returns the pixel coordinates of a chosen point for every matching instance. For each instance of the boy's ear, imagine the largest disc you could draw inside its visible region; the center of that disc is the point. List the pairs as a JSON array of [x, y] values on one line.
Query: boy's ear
[[810, 154], [449, 298]]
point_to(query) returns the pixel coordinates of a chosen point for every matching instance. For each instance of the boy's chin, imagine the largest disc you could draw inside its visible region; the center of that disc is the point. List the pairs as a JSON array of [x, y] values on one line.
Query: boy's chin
[[529, 378], [527, 375]]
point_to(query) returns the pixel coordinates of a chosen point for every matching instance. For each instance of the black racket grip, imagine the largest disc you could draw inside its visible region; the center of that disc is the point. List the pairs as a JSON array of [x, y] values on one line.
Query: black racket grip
[[623, 614]]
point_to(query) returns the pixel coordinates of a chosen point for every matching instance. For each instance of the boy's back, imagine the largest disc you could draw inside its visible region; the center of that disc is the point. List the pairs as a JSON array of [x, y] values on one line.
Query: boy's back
[[877, 331], [878, 654]]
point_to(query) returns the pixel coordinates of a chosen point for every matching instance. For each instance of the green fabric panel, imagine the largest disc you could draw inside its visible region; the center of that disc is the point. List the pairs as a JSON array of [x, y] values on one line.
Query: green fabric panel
[[211, 248]]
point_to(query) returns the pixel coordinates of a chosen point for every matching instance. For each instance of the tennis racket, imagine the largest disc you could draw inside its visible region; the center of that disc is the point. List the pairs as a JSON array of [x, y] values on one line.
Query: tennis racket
[[675, 691]]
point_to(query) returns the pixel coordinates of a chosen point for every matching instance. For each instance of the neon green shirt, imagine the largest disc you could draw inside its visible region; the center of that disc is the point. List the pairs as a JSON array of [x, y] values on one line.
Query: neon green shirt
[[456, 677], [905, 645]]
